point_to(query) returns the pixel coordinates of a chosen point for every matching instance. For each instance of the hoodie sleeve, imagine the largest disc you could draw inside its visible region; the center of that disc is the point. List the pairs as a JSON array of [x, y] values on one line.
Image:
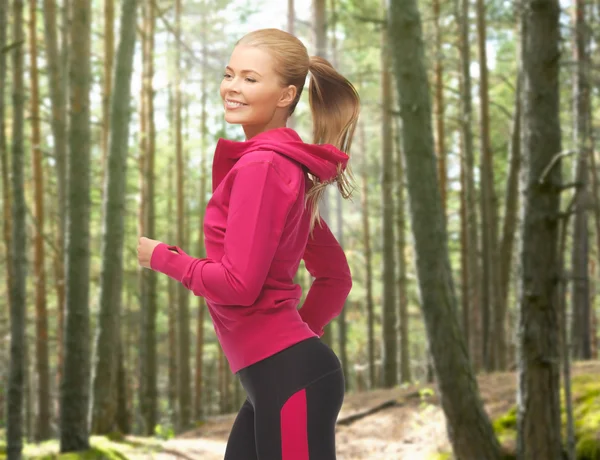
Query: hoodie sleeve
[[258, 207], [326, 262]]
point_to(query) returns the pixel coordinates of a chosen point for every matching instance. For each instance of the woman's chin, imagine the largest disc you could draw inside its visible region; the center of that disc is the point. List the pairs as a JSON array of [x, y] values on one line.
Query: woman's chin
[[233, 118]]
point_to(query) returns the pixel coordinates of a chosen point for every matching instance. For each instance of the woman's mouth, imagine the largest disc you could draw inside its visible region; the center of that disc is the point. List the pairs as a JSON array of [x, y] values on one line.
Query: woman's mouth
[[234, 104]]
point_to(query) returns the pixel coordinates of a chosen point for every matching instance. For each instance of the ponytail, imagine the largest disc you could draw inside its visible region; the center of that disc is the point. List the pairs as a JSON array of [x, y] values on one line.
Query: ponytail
[[335, 105]]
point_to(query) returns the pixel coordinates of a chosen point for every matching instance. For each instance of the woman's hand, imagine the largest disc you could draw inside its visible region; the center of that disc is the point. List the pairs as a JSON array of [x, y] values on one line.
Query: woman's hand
[[145, 248]]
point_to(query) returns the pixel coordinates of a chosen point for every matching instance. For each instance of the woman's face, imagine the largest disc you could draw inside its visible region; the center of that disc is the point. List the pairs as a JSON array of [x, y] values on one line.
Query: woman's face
[[252, 92]]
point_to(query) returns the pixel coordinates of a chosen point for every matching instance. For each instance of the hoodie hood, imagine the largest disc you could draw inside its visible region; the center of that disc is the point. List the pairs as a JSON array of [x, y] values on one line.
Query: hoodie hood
[[321, 160]]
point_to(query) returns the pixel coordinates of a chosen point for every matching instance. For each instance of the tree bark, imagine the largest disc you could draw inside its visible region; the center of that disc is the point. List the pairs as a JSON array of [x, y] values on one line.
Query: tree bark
[[440, 131], [489, 220], [470, 431], [184, 381], [18, 305], [580, 294], [509, 229], [539, 424], [107, 362], [366, 230], [109, 50], [472, 307], [6, 195], [148, 361], [198, 409], [59, 135], [389, 319], [405, 371], [43, 428], [74, 434]]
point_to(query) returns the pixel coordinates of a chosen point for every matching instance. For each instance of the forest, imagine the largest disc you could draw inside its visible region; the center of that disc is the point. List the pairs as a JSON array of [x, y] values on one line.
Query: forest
[[473, 231]]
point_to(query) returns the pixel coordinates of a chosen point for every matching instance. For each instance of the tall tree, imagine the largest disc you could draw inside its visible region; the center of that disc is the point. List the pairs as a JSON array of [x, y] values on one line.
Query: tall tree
[[489, 224], [109, 51], [389, 319], [539, 424], [198, 384], [59, 134], [106, 365], [6, 200], [580, 295], [440, 128], [320, 40], [509, 226], [405, 372], [470, 431], [184, 381], [148, 361], [471, 301], [43, 428], [341, 320], [18, 305], [366, 234], [74, 392], [171, 293]]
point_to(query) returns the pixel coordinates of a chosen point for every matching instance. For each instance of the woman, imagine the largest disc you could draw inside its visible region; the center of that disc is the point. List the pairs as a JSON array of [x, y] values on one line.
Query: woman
[[261, 221]]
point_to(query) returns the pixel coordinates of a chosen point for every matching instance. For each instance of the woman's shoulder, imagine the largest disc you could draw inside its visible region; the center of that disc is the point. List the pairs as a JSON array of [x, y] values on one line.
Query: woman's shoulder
[[289, 169]]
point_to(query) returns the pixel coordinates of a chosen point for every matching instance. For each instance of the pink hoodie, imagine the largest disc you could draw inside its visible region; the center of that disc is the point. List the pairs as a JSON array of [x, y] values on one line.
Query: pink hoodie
[[256, 231]]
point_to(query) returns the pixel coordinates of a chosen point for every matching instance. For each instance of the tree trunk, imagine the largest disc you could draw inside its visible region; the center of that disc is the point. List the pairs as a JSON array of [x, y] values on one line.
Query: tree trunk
[[6, 199], [470, 431], [389, 320], [472, 306], [509, 228], [109, 50], [74, 404], [320, 40], [364, 198], [59, 134], [489, 233], [440, 132], [198, 409], [341, 320], [105, 382], [405, 372], [580, 294], [18, 305], [184, 381], [539, 434], [148, 366], [43, 429], [122, 416]]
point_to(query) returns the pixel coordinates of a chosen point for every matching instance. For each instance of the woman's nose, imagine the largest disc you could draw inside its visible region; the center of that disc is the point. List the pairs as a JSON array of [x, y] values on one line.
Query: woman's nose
[[232, 85]]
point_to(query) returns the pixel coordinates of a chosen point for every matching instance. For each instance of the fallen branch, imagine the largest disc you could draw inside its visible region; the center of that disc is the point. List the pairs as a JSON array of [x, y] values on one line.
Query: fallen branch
[[354, 417], [177, 454]]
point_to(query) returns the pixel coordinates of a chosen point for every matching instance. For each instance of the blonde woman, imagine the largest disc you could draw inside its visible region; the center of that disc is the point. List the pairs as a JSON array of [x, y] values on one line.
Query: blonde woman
[[261, 221]]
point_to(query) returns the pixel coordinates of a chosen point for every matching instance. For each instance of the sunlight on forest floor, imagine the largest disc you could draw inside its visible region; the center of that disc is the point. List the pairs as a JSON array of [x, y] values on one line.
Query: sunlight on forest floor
[[412, 429]]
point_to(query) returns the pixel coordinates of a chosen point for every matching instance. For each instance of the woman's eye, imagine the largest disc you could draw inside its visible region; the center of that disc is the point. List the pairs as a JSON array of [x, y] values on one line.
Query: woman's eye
[[226, 75], [251, 80]]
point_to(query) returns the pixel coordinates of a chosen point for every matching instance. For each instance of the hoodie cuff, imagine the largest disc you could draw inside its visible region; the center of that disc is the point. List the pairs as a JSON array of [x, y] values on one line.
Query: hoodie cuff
[[172, 264]]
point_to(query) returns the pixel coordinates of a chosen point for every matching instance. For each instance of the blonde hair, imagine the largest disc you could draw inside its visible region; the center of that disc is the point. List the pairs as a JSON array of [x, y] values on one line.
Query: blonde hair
[[334, 102]]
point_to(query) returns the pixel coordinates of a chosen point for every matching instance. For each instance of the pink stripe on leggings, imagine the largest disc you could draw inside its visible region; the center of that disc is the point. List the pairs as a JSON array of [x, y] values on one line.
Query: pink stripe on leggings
[[294, 432]]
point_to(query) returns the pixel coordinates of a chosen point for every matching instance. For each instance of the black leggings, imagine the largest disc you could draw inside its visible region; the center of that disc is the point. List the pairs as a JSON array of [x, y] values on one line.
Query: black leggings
[[294, 398]]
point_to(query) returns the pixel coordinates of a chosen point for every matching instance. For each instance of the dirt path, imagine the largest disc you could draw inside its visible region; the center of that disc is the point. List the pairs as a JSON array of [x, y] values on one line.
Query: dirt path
[[412, 430]]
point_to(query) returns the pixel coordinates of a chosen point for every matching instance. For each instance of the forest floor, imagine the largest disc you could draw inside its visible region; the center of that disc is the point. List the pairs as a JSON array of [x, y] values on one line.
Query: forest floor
[[407, 423]]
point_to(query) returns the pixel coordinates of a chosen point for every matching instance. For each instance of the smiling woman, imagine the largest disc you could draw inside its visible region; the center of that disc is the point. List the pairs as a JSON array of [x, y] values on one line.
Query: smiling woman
[[259, 224], [256, 100]]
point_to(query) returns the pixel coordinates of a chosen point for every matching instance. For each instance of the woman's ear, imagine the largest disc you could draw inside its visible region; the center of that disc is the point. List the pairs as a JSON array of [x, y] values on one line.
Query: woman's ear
[[287, 96]]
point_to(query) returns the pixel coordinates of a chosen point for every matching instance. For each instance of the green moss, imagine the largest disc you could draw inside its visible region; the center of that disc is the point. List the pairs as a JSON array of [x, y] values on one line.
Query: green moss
[[588, 448], [586, 415], [99, 450], [440, 456]]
